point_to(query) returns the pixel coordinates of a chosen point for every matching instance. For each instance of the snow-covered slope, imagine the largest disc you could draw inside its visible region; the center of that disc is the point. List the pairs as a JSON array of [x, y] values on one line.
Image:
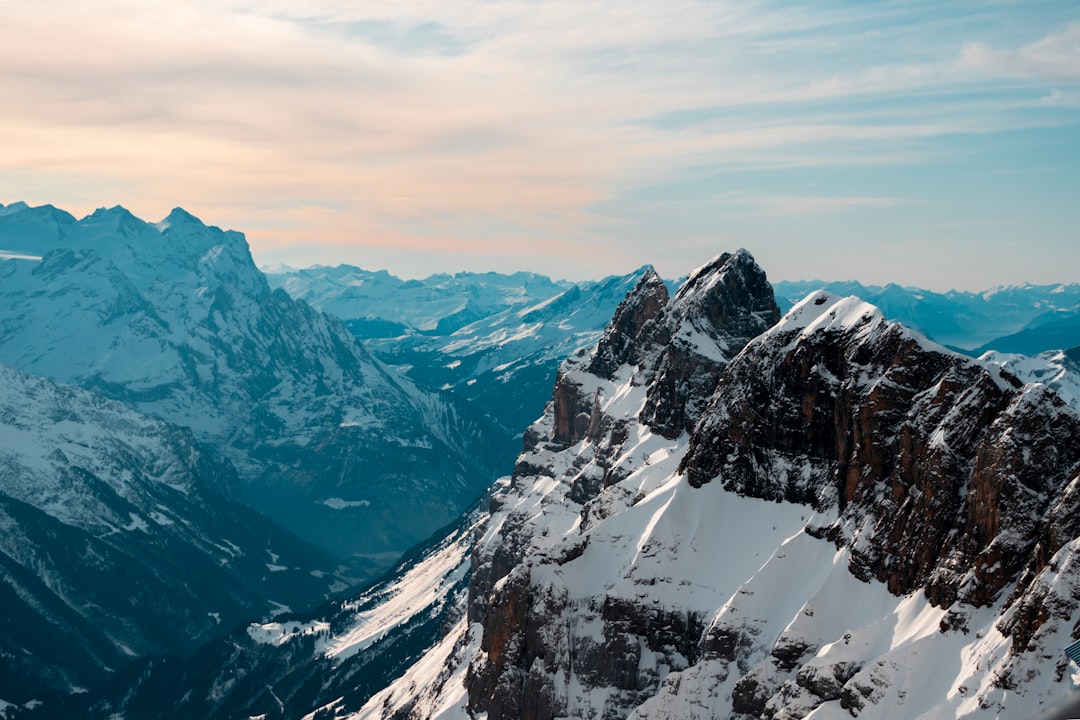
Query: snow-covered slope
[[174, 318], [121, 536], [840, 518], [1058, 369], [1025, 318]]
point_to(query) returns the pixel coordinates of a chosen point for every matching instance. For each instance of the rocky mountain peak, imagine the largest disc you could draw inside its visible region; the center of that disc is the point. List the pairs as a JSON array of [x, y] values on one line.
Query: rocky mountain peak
[[619, 342], [26, 212], [729, 296], [180, 216], [714, 314]]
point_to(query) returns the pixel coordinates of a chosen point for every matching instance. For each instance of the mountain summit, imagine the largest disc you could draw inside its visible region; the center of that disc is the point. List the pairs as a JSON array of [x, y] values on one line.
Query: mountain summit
[[727, 514]]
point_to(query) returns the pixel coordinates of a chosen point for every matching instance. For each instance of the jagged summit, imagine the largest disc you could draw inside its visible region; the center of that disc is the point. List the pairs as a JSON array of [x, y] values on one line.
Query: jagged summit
[[719, 262], [118, 211], [620, 340], [823, 310], [720, 308], [46, 210], [179, 215], [674, 348]]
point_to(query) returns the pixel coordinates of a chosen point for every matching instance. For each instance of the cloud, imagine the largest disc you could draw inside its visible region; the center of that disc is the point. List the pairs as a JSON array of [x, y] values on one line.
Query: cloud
[[1051, 59], [512, 119]]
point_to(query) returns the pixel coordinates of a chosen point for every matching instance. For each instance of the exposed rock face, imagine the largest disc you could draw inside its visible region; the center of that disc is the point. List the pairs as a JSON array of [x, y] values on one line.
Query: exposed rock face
[[719, 309], [941, 467], [679, 347], [577, 414], [619, 344]]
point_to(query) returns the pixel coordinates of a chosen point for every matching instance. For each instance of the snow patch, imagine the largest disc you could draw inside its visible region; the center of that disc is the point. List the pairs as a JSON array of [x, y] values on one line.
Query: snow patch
[[10, 255], [336, 503], [137, 523]]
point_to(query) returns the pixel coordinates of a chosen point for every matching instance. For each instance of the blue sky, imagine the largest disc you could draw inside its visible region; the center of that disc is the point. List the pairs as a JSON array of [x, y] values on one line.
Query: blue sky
[[925, 143]]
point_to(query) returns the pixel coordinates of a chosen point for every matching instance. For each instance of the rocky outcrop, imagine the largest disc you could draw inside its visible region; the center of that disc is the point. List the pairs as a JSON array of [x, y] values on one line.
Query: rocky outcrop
[[577, 414], [942, 468], [715, 313], [620, 343]]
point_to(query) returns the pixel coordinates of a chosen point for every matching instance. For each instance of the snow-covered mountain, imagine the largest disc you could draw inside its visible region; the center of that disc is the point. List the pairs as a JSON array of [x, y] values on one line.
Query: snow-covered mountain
[[856, 521], [1025, 319], [122, 536], [175, 319], [721, 514], [1057, 369]]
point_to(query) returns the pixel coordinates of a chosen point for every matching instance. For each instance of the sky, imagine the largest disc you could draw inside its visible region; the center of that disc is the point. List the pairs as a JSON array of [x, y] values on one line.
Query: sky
[[934, 144]]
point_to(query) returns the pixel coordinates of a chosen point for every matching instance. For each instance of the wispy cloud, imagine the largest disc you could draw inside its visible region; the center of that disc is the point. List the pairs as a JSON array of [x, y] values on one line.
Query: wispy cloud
[[803, 204], [1050, 59]]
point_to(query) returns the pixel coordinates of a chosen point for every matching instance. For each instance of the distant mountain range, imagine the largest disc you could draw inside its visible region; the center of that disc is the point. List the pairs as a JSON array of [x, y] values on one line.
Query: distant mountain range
[[1025, 319], [492, 340]]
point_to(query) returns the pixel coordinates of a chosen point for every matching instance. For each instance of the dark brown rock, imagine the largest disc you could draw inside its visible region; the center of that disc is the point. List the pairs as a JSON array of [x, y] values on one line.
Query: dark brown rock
[[930, 453], [619, 344], [715, 313]]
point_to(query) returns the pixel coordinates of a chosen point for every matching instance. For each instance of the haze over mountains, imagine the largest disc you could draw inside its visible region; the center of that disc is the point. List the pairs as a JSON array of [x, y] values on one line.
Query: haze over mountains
[[735, 502]]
